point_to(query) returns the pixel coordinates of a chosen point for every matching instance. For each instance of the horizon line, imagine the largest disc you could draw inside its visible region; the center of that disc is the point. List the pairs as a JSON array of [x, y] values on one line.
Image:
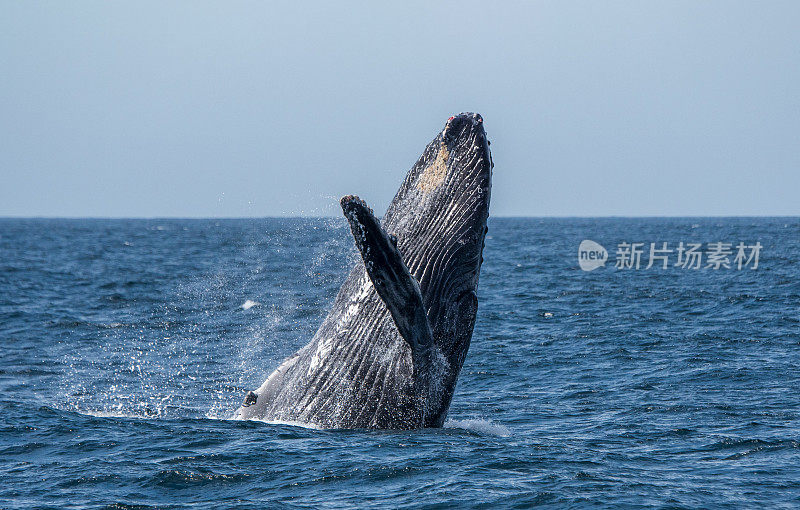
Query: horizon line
[[303, 217]]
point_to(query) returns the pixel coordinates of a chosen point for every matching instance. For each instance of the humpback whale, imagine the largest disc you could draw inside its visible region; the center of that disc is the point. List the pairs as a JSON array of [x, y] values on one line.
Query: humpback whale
[[390, 350]]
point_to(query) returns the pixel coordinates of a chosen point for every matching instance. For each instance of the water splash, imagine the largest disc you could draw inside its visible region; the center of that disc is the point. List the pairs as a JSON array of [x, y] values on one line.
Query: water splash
[[479, 425], [249, 304]]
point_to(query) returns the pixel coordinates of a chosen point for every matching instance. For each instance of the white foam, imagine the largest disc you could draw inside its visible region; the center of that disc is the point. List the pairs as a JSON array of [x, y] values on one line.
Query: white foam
[[479, 425], [290, 423], [472, 424], [116, 414], [249, 304]]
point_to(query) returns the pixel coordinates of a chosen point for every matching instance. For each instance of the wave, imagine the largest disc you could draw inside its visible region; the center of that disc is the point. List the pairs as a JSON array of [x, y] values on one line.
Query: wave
[[473, 424], [249, 304], [299, 424], [115, 414], [479, 425]]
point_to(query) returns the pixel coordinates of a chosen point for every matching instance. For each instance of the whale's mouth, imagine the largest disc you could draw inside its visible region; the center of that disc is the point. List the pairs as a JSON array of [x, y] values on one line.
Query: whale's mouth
[[461, 125], [460, 150]]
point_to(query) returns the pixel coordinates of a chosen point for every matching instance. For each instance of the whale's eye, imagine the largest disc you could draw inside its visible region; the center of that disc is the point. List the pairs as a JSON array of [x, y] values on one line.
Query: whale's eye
[[250, 399]]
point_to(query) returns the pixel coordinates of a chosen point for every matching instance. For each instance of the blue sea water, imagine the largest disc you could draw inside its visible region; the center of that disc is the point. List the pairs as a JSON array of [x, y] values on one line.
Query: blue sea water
[[126, 345]]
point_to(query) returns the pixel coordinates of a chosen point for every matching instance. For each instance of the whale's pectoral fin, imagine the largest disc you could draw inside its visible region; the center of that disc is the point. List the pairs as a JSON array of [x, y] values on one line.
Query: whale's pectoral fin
[[396, 286]]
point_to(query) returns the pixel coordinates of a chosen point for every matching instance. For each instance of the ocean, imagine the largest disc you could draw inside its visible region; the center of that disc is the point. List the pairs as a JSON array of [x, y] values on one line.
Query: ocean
[[126, 345]]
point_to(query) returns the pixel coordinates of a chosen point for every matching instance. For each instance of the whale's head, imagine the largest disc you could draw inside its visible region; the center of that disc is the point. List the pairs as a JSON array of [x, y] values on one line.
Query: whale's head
[[439, 217]]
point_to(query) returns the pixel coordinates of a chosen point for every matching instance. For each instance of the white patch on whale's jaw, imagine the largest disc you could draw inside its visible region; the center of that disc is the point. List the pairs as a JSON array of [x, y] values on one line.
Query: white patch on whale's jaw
[[252, 411], [243, 414], [325, 346]]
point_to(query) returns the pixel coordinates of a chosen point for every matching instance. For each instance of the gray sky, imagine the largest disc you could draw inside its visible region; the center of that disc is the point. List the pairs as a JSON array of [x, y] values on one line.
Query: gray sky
[[259, 109]]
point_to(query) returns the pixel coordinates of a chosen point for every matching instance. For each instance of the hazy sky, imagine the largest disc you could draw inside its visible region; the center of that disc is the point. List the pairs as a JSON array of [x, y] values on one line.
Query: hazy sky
[[263, 109]]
